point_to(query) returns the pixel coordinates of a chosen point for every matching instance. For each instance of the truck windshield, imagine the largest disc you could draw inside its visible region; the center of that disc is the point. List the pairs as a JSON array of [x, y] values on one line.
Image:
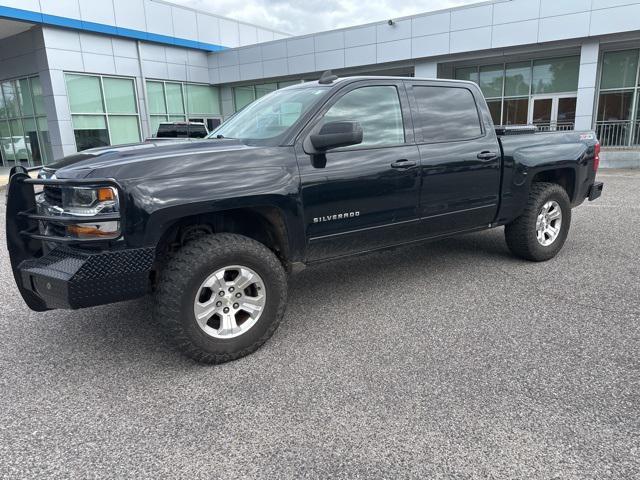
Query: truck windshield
[[269, 116]]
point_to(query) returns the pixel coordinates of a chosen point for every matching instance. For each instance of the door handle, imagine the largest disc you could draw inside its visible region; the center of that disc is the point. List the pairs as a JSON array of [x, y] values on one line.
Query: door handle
[[404, 163], [487, 155]]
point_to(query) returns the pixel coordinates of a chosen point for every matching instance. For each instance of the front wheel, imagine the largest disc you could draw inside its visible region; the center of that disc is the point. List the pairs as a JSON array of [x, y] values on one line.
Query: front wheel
[[221, 297], [540, 232]]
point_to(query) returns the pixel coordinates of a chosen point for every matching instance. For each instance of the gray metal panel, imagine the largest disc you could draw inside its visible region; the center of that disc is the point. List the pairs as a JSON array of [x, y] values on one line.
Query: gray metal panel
[[400, 29], [362, 55], [250, 71], [300, 46], [93, 43], [429, 46], [275, 68], [515, 11], [130, 14], [250, 54], [330, 59], [329, 41], [301, 64], [358, 36], [518, 33], [431, 24], [273, 50], [472, 17]]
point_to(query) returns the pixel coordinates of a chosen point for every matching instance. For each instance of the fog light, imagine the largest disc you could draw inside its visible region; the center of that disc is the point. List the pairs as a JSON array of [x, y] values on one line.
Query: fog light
[[97, 230]]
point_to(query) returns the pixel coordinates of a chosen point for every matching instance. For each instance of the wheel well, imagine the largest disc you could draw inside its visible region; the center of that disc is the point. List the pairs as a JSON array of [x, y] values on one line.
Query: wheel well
[[565, 177], [263, 224]]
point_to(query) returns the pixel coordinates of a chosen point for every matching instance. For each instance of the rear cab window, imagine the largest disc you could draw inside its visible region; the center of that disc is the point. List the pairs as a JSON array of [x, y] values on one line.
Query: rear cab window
[[445, 114]]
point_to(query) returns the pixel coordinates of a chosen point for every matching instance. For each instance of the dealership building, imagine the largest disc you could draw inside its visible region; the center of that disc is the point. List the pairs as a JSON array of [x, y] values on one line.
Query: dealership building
[[75, 74]]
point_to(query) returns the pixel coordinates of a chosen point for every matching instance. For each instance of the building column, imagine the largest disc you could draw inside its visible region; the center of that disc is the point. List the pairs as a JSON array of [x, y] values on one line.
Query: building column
[[587, 83], [426, 69], [58, 116], [226, 101]]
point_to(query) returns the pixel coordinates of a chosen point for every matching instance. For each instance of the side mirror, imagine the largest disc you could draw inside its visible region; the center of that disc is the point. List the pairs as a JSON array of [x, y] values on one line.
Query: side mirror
[[336, 135]]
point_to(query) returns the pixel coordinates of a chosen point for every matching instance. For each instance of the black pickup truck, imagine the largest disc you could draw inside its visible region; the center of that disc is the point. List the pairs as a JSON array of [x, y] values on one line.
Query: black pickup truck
[[309, 173]]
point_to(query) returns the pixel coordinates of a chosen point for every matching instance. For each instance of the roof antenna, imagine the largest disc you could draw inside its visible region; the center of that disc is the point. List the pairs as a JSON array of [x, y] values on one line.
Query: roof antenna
[[327, 78]]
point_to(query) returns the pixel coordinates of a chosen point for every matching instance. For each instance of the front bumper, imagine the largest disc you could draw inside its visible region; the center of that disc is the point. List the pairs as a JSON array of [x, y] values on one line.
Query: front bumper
[[59, 272], [72, 278]]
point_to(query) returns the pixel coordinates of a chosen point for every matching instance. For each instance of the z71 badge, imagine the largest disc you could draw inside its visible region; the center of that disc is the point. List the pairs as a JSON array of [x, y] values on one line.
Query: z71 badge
[[338, 216]]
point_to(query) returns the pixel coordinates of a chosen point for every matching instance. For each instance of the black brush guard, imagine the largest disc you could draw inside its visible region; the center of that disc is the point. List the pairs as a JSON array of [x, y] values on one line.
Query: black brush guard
[[60, 272]]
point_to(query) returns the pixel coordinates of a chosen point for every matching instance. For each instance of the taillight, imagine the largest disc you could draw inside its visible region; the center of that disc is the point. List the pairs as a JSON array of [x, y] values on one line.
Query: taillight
[[596, 157]]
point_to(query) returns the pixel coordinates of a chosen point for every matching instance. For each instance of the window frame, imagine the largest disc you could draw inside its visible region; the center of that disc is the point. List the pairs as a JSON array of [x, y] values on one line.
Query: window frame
[[474, 90], [530, 96], [315, 123], [186, 114], [106, 114], [46, 153]]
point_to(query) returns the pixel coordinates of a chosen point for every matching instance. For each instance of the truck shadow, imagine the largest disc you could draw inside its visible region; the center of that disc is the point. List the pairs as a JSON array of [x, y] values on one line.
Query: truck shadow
[[131, 327]]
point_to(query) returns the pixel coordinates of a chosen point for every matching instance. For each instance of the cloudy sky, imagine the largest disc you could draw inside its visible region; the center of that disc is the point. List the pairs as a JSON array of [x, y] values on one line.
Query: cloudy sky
[[306, 16]]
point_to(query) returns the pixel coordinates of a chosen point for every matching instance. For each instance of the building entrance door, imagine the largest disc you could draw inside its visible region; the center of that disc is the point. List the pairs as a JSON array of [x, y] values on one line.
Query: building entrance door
[[553, 113]]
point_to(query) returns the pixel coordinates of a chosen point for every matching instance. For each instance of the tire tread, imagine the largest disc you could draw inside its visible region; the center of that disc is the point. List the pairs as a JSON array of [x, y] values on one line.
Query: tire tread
[[177, 274]]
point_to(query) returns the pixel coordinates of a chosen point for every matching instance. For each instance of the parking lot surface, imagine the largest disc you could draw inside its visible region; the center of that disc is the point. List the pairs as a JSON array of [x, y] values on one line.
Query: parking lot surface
[[443, 360]]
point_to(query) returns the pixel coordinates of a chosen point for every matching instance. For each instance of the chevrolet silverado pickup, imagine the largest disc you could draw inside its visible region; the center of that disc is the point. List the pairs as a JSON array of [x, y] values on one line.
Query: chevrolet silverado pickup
[[213, 228]]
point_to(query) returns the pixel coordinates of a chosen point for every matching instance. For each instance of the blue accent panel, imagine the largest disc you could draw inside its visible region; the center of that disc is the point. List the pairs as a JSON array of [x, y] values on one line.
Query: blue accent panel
[[19, 14], [46, 19], [61, 21]]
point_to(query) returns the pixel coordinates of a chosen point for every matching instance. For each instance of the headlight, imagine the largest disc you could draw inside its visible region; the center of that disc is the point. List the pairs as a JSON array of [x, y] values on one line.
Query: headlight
[[89, 201], [84, 202]]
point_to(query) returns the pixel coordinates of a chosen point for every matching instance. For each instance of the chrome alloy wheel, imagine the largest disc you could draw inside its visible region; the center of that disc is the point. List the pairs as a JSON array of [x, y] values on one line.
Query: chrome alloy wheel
[[549, 223], [229, 302]]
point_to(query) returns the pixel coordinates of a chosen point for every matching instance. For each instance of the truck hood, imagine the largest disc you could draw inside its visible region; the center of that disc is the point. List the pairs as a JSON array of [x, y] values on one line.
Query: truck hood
[[151, 158]]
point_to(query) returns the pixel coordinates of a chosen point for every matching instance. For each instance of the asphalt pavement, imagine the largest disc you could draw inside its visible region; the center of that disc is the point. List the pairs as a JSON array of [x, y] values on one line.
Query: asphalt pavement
[[444, 360]]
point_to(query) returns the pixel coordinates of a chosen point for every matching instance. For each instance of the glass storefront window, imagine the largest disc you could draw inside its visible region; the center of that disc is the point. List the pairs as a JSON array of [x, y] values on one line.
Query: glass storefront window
[[467, 73], [495, 107], [104, 110], [123, 129], [7, 144], [85, 94], [262, 90], [36, 92], [517, 79], [120, 95], [90, 131], [175, 98], [619, 69], [10, 100], [177, 102], [491, 79], [556, 75], [202, 99], [22, 107], [156, 100], [516, 111], [24, 97], [615, 106], [243, 96]]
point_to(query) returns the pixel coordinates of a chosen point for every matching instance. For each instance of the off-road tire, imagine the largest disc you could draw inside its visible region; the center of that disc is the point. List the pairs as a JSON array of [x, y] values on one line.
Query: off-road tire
[[182, 277], [521, 233]]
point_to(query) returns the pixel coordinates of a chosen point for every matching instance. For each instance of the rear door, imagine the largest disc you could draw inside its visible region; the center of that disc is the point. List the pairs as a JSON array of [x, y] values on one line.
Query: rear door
[[460, 156], [365, 196]]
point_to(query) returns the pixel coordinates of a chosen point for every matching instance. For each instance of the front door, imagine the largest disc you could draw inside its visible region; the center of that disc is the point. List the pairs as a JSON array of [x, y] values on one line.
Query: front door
[[365, 196], [553, 113]]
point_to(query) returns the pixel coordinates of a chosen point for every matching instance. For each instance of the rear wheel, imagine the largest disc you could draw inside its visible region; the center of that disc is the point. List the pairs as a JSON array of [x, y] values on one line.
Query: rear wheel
[[540, 232], [221, 297]]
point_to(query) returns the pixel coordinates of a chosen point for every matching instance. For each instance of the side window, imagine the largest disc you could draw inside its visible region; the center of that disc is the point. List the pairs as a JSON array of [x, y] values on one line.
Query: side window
[[446, 114], [377, 108]]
